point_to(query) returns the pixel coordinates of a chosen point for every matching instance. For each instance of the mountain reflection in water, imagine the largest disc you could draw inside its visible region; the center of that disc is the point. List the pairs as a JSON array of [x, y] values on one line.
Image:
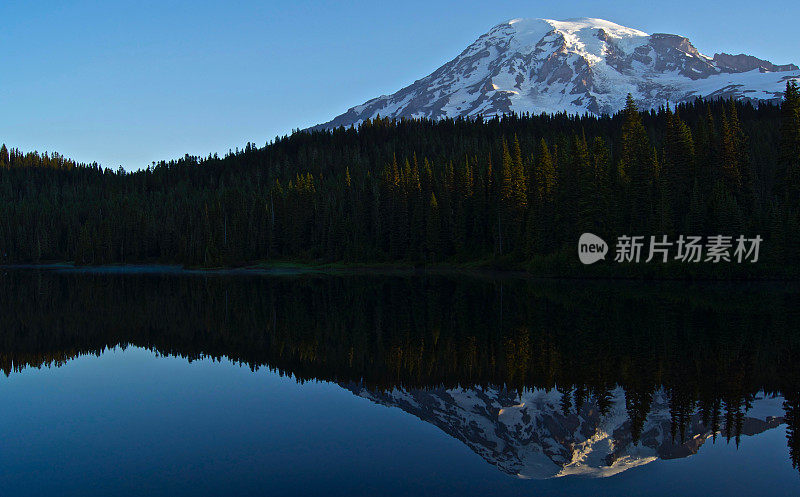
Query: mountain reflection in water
[[531, 435], [541, 379]]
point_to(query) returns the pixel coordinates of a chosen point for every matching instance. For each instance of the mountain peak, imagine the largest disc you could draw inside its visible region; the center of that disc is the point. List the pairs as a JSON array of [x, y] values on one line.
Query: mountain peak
[[579, 65], [577, 24]]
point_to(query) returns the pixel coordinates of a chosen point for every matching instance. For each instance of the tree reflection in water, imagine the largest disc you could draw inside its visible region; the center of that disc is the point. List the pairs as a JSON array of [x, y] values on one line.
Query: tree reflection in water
[[538, 377]]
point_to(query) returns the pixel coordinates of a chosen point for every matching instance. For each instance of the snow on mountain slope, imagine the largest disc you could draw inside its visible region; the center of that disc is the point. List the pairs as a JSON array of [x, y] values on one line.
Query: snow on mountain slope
[[574, 66], [531, 437]]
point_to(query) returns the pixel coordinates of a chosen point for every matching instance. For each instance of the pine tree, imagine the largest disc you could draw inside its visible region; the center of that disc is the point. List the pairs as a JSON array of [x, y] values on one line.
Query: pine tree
[[791, 407], [706, 146], [636, 167], [4, 159], [433, 229], [731, 155], [602, 194], [696, 215], [545, 174], [678, 167], [513, 197], [789, 154], [586, 188]]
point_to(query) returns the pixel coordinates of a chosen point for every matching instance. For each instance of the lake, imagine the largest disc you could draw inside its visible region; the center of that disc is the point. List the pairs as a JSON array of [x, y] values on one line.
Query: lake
[[156, 381]]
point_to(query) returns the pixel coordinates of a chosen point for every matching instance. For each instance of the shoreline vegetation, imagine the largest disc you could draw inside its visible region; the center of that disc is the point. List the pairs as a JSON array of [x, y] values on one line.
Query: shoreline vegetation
[[511, 193]]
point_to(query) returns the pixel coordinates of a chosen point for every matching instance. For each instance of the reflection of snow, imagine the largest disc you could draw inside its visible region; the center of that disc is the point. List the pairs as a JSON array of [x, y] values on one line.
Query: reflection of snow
[[529, 436]]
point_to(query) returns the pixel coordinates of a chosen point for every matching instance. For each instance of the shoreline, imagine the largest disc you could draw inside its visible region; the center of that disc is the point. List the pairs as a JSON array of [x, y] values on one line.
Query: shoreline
[[474, 269]]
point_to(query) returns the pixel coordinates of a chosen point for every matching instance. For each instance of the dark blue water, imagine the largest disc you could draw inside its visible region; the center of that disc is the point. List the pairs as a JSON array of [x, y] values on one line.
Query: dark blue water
[[138, 420]]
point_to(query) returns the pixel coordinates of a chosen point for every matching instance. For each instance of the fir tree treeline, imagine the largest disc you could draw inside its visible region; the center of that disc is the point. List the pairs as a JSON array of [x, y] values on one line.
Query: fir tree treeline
[[709, 350], [515, 189]]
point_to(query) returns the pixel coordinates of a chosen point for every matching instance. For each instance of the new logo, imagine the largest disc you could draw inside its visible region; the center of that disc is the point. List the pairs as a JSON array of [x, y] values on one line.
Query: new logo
[[591, 248]]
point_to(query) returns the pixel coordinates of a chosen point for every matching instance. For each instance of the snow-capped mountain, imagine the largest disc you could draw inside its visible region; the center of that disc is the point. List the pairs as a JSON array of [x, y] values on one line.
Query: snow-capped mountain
[[531, 437], [574, 66]]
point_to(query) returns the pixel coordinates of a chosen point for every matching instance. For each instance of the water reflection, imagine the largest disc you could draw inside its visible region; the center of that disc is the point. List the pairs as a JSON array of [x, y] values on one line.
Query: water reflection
[[532, 435], [541, 379]]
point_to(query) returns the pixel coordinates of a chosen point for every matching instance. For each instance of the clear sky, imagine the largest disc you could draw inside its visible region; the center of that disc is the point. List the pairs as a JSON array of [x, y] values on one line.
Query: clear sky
[[131, 82]]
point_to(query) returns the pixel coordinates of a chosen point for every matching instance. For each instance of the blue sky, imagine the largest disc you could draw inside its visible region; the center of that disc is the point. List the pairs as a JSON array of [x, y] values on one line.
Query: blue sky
[[131, 82]]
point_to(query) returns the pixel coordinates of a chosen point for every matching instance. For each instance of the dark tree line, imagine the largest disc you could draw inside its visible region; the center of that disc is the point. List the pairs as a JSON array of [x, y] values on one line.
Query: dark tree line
[[513, 189]]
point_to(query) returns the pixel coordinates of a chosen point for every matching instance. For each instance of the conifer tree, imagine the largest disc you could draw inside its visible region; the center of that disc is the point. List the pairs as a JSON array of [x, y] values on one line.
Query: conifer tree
[[546, 174], [678, 166], [433, 228], [602, 194], [791, 407], [731, 155], [4, 159], [636, 167], [789, 154], [513, 196], [586, 197]]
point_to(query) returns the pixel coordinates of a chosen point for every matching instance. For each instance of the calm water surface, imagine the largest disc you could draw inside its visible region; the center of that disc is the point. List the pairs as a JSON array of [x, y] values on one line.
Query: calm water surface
[[148, 383]]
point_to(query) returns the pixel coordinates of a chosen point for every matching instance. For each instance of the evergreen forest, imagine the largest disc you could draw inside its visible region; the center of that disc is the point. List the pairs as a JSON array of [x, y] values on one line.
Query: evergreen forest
[[513, 191]]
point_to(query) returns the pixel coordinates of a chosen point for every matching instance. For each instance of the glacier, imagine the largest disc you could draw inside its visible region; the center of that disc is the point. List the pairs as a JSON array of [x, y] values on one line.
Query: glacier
[[577, 66]]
